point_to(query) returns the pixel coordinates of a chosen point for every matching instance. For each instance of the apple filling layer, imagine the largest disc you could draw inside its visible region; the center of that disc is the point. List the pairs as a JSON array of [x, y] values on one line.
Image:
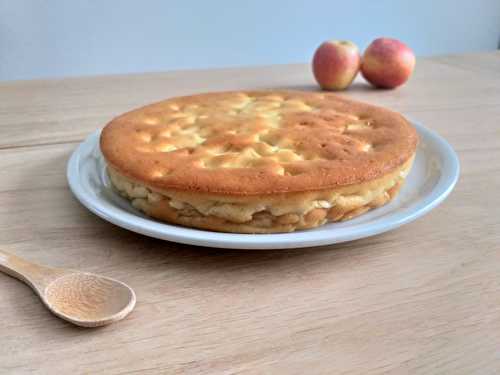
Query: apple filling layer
[[261, 214]]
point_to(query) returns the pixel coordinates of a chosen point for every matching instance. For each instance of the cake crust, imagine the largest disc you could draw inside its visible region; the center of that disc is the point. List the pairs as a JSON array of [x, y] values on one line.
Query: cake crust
[[257, 143]]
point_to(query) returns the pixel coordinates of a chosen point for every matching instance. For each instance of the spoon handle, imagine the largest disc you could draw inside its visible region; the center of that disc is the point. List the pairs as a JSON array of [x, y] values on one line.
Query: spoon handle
[[35, 275]]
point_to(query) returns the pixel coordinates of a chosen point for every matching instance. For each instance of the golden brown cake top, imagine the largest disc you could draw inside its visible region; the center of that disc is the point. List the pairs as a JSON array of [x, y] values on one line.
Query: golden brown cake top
[[257, 142]]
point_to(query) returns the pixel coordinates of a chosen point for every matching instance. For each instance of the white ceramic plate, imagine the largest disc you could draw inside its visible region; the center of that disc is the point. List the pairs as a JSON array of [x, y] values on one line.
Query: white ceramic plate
[[433, 176]]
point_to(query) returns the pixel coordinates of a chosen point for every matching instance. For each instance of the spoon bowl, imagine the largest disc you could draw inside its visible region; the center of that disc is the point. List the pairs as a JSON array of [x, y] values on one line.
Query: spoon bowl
[[89, 300]]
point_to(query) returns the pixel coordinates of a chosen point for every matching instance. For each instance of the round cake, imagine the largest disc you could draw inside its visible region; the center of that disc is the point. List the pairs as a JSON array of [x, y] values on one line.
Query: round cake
[[258, 161]]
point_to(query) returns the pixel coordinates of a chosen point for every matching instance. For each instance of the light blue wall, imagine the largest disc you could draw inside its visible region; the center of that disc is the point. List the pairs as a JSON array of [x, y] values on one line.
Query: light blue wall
[[55, 38]]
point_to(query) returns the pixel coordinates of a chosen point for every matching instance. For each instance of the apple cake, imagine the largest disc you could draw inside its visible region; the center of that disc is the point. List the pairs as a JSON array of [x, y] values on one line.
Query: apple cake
[[258, 161]]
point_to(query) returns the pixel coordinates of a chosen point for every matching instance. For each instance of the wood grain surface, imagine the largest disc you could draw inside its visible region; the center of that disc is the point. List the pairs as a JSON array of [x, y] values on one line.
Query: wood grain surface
[[422, 299]]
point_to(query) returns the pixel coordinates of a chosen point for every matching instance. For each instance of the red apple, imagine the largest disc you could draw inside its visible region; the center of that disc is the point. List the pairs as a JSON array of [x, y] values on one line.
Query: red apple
[[335, 64], [387, 63]]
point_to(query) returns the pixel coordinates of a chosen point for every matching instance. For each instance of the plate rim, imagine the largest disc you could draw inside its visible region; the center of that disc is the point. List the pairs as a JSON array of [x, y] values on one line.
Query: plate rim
[[448, 177]]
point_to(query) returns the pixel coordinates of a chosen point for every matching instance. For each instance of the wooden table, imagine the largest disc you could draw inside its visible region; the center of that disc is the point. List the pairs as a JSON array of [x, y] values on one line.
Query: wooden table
[[422, 299]]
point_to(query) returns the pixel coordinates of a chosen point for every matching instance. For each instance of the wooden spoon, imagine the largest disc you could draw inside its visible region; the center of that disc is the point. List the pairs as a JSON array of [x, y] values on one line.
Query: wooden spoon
[[81, 298]]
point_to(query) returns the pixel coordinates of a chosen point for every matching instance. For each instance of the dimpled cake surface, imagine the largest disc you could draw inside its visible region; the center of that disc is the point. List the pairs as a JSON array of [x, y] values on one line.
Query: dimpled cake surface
[[258, 161]]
